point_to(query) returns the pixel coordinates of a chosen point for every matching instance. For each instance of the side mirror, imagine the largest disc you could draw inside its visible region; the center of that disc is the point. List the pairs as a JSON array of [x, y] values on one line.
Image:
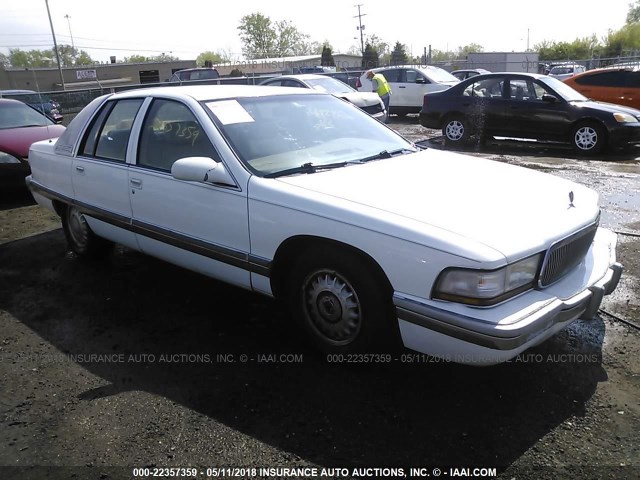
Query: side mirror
[[201, 169], [421, 80], [549, 98]]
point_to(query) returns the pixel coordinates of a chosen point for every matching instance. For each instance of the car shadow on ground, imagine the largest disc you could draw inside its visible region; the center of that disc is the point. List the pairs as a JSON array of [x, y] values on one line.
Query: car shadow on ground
[[531, 149], [15, 197], [346, 414]]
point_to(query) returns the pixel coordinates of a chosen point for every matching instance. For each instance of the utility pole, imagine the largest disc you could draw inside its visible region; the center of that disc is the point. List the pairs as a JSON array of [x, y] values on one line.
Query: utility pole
[[73, 45], [360, 27], [55, 46]]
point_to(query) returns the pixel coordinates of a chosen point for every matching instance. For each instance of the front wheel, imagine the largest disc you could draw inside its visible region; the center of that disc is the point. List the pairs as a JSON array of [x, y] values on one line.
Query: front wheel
[[81, 239], [588, 138], [340, 303]]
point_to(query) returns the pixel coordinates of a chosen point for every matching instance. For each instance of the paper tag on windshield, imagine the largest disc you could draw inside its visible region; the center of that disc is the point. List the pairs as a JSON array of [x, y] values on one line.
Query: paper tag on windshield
[[229, 112]]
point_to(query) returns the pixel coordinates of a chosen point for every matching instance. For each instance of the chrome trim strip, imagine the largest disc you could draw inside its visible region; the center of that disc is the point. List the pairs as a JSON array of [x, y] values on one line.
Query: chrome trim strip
[[222, 254], [486, 334]]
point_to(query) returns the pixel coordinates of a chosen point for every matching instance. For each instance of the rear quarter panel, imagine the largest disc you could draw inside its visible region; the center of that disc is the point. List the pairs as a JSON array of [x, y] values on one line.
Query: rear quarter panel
[[50, 170]]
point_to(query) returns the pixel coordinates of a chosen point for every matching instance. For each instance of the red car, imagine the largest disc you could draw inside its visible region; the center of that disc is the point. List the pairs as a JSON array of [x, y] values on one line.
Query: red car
[[20, 126]]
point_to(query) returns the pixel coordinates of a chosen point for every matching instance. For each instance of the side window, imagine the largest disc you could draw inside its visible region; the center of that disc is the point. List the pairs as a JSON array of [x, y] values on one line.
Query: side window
[[522, 90], [109, 135], [274, 83], [393, 75], [487, 88], [292, 83], [604, 79], [170, 132], [413, 75]]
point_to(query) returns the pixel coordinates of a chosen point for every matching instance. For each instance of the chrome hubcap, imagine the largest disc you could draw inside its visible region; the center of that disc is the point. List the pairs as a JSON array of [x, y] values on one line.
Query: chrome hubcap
[[586, 138], [78, 227], [332, 307], [454, 130]]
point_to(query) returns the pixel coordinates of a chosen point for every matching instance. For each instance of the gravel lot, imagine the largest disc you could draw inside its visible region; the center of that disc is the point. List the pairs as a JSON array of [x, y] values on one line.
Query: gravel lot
[[132, 362]]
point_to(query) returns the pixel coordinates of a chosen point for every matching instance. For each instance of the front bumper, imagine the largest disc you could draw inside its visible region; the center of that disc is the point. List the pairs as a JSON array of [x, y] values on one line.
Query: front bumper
[[460, 338]]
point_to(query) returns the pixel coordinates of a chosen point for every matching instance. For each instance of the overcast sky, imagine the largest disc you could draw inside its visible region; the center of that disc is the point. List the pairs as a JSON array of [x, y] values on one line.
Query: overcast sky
[[187, 28]]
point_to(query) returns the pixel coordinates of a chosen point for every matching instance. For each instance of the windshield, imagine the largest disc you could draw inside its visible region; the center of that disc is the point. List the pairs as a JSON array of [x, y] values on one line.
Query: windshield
[[560, 70], [439, 75], [16, 115], [280, 132], [564, 90], [329, 85]]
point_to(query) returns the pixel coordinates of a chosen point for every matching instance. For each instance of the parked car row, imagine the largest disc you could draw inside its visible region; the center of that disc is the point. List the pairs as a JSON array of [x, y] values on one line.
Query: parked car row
[[296, 194], [20, 126], [40, 101], [409, 84], [368, 101]]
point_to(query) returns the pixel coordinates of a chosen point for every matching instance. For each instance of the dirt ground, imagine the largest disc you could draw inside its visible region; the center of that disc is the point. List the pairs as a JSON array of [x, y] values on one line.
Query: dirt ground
[[131, 362]]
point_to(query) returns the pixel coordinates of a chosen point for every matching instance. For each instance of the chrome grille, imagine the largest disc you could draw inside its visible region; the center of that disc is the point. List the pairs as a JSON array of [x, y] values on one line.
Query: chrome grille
[[564, 255]]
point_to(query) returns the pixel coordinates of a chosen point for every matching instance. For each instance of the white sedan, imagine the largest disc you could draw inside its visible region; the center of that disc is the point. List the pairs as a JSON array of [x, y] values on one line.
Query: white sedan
[[296, 194]]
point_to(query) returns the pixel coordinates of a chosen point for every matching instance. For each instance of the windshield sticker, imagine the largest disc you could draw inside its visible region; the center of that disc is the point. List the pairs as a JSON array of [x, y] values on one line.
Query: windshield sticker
[[230, 112]]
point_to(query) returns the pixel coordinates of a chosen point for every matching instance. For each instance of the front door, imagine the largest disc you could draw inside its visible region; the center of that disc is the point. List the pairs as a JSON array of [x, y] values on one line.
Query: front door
[[202, 227]]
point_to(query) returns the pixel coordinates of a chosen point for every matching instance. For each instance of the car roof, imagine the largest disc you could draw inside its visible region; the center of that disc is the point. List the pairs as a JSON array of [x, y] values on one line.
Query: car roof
[[413, 67], [214, 92], [503, 74], [305, 76], [15, 92], [10, 101], [195, 69]]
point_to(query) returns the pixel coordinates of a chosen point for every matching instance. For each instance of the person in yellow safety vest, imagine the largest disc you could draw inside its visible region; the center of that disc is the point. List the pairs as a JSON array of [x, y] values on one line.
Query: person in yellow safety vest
[[381, 87]]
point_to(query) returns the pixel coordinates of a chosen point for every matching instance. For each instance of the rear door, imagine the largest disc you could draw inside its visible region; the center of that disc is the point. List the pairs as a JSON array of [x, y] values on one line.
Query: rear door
[[100, 173]]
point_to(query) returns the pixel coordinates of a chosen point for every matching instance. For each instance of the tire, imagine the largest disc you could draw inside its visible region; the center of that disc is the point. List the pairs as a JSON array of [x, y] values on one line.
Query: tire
[[588, 138], [80, 238], [456, 130], [341, 303]]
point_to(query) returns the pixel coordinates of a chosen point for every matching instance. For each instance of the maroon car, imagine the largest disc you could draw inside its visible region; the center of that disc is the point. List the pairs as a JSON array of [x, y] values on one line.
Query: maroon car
[[20, 126]]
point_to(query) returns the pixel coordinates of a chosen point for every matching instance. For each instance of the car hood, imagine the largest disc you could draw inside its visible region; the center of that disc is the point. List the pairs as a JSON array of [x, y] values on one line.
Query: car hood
[[360, 99], [17, 141], [516, 211]]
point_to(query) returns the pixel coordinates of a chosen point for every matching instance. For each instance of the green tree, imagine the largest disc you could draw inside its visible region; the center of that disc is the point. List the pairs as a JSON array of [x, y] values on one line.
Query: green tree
[[634, 12], [4, 61], [32, 58], [463, 52], [370, 59], [136, 58], [399, 55], [379, 45], [84, 58], [258, 36], [327, 57], [289, 40], [213, 57]]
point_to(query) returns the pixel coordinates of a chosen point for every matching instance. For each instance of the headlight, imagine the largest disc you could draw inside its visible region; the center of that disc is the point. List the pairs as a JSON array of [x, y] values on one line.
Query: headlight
[[487, 287], [7, 158], [624, 118]]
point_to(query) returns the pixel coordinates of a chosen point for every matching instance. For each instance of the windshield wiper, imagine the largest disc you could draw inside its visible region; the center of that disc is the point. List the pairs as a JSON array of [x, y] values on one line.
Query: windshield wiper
[[305, 168], [387, 154]]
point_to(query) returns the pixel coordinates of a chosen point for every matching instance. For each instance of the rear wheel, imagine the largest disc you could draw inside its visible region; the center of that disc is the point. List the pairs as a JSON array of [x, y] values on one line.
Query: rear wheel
[[81, 239], [456, 130], [588, 138], [340, 303]]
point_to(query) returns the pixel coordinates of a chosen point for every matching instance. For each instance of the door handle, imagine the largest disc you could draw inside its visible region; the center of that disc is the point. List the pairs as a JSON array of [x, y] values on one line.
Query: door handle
[[80, 169], [401, 86], [136, 182]]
